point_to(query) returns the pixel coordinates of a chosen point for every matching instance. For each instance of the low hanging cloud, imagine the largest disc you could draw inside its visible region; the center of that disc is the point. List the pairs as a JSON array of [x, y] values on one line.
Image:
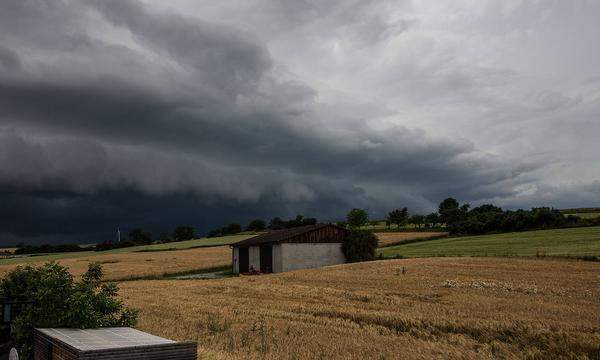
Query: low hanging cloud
[[119, 113]]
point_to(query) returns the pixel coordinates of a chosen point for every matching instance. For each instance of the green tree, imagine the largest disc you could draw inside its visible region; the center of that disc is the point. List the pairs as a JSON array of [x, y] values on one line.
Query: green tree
[[417, 220], [360, 245], [182, 233], [139, 236], [398, 217], [256, 225], [451, 212], [59, 301], [432, 219], [357, 218]]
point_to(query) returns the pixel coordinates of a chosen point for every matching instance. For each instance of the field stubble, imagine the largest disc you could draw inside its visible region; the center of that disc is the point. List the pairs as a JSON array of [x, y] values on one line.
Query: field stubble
[[416, 308]]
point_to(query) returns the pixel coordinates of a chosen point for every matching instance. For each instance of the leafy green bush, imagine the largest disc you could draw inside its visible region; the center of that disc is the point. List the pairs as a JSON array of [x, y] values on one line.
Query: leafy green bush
[[360, 245], [59, 301]]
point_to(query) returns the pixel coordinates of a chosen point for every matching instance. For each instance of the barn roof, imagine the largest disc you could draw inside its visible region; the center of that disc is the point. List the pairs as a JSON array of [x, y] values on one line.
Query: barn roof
[[276, 236]]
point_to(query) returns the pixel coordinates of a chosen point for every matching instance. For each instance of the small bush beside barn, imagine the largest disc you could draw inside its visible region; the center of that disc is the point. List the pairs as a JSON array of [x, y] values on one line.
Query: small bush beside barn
[[302, 247]]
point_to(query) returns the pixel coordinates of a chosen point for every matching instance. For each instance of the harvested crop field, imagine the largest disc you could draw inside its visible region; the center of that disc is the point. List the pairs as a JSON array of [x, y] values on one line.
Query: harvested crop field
[[415, 308], [121, 266], [392, 238]]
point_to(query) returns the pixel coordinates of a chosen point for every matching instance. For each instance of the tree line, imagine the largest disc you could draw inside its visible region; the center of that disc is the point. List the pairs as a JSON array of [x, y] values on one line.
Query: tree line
[[456, 218], [461, 219], [257, 225]]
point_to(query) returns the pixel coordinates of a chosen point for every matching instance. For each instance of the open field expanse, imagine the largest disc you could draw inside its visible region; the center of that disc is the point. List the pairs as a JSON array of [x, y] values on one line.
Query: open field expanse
[[126, 265], [558, 242], [181, 245], [435, 308], [390, 238]]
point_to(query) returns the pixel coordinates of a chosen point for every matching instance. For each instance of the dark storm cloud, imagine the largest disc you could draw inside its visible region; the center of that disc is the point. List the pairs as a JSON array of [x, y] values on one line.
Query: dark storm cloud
[[114, 112]]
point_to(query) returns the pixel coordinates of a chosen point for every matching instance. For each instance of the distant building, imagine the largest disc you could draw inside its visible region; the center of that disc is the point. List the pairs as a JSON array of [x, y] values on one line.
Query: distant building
[[108, 343], [290, 249]]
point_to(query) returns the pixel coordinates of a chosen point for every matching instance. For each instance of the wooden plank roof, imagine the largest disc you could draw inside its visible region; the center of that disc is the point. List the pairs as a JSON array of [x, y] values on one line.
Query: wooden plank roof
[[277, 236], [104, 338]]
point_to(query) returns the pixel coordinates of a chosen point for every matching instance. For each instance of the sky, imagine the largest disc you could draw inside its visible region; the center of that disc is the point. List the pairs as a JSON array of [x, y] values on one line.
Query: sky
[[154, 114]]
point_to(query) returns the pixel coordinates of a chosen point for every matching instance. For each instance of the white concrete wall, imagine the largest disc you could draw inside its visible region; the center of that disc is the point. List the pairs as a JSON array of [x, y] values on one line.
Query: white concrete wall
[[254, 257], [235, 260], [295, 256]]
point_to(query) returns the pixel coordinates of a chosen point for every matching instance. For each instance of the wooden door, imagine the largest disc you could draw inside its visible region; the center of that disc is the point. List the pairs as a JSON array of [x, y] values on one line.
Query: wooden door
[[266, 259]]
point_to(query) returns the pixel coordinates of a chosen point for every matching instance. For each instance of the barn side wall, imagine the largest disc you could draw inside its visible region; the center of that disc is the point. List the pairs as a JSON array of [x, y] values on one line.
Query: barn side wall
[[175, 351], [294, 256], [277, 259], [254, 257], [235, 260]]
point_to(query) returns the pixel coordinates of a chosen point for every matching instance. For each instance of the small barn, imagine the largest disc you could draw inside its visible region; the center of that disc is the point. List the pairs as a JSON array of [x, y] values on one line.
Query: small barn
[[301, 247]]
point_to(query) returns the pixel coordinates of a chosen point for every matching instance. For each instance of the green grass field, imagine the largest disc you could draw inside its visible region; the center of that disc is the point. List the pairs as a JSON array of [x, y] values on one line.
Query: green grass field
[[584, 213], [180, 245], [558, 242]]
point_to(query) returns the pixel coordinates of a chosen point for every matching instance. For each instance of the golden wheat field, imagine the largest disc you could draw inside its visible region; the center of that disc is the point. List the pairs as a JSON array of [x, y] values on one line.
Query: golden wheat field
[[417, 308], [389, 238], [126, 265]]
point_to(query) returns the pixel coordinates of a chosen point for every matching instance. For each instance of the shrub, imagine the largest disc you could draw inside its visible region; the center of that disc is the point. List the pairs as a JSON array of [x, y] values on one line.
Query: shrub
[[109, 245], [231, 229], [139, 236], [360, 245], [214, 233], [165, 238], [59, 301], [47, 248]]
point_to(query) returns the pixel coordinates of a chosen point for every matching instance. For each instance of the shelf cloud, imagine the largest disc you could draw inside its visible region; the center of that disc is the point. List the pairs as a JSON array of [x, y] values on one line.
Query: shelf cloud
[[136, 113]]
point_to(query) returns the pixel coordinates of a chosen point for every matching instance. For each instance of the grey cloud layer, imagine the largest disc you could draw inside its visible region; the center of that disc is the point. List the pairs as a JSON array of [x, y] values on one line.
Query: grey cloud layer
[[121, 97]]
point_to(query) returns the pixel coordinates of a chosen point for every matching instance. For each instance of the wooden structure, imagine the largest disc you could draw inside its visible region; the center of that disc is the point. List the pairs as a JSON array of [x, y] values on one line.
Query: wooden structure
[[290, 249], [108, 343]]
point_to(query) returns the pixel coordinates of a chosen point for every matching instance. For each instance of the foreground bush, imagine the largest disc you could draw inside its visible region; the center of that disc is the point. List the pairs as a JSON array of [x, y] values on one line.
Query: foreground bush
[[360, 245], [59, 301]]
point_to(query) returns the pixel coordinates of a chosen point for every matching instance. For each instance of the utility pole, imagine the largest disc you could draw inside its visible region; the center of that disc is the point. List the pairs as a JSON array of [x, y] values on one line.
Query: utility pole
[[118, 234]]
